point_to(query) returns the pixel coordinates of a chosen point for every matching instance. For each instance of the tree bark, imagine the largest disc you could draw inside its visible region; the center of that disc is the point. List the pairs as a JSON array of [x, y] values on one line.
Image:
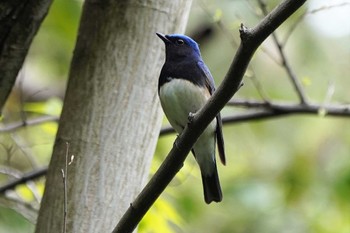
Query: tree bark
[[111, 117], [19, 20]]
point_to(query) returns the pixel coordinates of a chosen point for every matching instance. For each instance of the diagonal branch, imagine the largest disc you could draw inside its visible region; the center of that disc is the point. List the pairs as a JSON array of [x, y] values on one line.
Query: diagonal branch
[[251, 39], [285, 63], [19, 22]]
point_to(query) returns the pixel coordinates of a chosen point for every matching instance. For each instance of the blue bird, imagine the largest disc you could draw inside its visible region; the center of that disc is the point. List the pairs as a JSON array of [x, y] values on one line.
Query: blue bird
[[185, 84]]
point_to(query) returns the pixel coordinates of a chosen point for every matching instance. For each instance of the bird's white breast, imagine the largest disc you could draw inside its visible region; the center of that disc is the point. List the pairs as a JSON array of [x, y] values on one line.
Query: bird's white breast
[[179, 97]]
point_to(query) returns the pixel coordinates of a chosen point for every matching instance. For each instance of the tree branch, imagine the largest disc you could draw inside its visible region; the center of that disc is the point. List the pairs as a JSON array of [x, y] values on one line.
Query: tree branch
[[262, 111], [297, 21], [285, 63], [19, 20], [29, 122], [251, 39], [266, 110], [26, 177]]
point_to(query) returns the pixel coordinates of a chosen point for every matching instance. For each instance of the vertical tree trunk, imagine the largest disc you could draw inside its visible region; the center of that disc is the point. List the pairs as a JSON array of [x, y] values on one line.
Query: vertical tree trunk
[[111, 116]]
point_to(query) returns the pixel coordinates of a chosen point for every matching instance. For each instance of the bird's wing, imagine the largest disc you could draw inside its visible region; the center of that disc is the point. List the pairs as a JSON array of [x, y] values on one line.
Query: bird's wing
[[220, 138], [209, 82]]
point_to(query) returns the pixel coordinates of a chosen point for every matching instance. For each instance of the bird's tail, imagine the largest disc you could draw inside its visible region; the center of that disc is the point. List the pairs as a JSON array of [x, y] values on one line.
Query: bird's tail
[[211, 187]]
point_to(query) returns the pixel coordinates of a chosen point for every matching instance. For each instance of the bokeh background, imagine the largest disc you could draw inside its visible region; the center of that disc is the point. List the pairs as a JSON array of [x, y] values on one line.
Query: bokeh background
[[287, 174]]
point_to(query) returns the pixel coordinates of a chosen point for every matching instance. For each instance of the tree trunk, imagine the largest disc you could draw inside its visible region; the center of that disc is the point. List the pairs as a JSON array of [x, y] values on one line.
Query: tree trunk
[[111, 115]]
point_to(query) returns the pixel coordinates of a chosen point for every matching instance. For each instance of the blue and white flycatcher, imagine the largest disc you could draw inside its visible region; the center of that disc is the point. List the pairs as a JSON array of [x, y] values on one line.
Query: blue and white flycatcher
[[185, 85]]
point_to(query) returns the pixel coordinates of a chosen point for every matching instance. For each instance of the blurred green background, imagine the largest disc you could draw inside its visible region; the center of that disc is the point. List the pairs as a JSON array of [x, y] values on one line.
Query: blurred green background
[[288, 174]]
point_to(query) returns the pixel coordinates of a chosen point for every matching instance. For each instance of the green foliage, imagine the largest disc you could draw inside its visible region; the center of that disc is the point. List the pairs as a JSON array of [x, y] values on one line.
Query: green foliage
[[13, 222], [52, 106], [163, 216]]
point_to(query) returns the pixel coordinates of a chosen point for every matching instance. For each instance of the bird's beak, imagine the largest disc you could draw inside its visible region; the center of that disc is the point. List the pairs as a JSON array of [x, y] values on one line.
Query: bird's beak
[[163, 37]]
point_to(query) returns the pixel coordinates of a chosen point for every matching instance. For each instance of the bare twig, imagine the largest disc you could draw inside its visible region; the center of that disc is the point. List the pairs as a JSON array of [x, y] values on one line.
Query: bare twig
[[295, 24], [259, 110], [251, 40], [64, 178], [26, 177], [64, 202], [23, 113], [295, 81], [29, 122], [277, 109], [257, 84], [234, 44], [10, 171], [220, 24], [327, 99]]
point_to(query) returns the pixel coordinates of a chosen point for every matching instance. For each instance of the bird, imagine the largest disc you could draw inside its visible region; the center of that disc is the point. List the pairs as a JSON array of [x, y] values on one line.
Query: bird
[[184, 86]]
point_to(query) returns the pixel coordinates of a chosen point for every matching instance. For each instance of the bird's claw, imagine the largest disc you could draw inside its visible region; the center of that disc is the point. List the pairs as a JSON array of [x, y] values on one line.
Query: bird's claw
[[191, 116]]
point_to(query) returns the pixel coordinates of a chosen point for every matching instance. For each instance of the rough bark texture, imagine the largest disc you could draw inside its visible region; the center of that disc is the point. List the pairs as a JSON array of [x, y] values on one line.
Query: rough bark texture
[[19, 22], [111, 116]]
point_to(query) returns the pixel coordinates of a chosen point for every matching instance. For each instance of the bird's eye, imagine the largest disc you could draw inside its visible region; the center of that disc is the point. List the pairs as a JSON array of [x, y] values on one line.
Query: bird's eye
[[180, 42]]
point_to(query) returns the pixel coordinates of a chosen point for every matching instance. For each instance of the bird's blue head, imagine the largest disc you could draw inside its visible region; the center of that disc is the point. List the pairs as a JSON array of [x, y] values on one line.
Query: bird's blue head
[[178, 47]]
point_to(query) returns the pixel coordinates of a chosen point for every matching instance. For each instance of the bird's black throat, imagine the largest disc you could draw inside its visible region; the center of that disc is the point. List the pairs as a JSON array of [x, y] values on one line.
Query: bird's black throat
[[181, 70]]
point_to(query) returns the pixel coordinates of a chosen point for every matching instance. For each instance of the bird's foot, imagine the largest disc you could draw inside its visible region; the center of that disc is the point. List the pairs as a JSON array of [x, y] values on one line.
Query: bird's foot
[[191, 117]]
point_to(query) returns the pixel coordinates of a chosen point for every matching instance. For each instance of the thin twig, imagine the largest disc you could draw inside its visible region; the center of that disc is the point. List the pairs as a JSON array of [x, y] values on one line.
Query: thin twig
[[257, 85], [26, 177], [220, 25], [292, 108], [285, 63], [64, 178], [234, 45], [64, 202], [29, 122], [257, 12], [327, 99], [259, 110], [6, 170], [317, 10]]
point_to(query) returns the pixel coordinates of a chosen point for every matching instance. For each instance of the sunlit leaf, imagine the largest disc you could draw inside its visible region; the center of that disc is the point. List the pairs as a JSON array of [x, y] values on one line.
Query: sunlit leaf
[[160, 218], [25, 193], [218, 15], [52, 106], [306, 81]]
